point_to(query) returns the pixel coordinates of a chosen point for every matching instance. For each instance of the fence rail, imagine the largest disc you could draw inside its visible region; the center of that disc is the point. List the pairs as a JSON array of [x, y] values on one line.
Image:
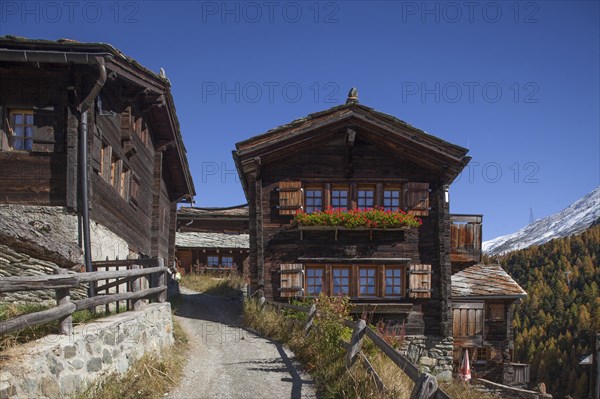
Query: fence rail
[[426, 386], [62, 283]]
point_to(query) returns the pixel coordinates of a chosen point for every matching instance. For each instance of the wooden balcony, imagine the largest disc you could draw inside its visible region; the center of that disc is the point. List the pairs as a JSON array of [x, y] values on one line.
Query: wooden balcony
[[465, 238]]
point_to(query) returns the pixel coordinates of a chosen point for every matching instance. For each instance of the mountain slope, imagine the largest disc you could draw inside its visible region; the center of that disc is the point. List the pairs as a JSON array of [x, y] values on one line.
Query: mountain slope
[[582, 214]]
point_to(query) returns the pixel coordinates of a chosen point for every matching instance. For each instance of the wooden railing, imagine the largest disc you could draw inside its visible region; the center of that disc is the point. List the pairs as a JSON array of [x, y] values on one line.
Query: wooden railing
[[426, 386], [62, 282]]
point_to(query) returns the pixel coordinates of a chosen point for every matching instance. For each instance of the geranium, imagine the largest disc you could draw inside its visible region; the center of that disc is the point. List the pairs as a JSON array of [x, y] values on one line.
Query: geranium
[[356, 218]]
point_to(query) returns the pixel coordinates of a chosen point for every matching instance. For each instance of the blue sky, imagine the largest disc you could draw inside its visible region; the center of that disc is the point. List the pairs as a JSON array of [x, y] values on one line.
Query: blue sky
[[515, 82]]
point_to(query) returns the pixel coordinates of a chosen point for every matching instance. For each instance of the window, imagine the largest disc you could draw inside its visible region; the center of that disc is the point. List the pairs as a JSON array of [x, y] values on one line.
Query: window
[[314, 280], [339, 198], [366, 198], [391, 200], [341, 281], [22, 130], [393, 281], [496, 312], [481, 354], [367, 282], [314, 198], [212, 261], [227, 261]]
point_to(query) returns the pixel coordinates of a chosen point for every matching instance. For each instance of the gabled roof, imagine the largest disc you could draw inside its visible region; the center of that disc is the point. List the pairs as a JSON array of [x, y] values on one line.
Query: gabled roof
[[66, 52], [485, 281], [392, 132], [212, 240], [232, 212]]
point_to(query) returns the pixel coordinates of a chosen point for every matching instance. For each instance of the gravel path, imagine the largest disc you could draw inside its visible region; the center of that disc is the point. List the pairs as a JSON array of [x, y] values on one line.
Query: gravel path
[[226, 361]]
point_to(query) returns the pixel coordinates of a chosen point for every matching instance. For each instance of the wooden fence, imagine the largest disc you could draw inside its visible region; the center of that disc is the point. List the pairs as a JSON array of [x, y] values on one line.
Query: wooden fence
[[153, 270], [426, 386]]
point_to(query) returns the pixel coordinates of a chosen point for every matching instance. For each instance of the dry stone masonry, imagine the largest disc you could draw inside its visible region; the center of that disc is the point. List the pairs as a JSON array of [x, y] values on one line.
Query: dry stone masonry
[[58, 366]]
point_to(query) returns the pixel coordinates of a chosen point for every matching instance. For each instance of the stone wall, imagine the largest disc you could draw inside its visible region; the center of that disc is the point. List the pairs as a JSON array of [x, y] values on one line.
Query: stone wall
[[432, 355], [57, 224], [59, 366], [13, 263]]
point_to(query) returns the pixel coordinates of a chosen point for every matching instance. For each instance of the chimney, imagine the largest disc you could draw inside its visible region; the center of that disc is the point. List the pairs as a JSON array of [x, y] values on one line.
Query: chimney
[[352, 96]]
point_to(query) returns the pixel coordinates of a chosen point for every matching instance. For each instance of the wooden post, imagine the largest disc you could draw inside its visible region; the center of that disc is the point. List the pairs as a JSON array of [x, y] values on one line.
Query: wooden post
[[596, 365], [162, 281], [309, 318], [355, 342], [425, 387], [136, 286], [63, 297]]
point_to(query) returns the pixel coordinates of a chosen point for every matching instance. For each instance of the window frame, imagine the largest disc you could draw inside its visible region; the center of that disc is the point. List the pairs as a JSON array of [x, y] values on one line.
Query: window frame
[[365, 189], [402, 270], [307, 198], [222, 263], [12, 137], [375, 285], [388, 188], [323, 277], [208, 259], [338, 197], [332, 285]]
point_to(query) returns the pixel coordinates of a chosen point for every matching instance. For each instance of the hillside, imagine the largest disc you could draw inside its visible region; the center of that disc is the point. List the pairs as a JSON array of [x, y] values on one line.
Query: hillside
[[555, 324], [582, 214]]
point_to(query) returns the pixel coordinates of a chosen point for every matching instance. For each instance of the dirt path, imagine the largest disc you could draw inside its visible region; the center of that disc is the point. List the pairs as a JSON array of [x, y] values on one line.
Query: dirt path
[[226, 361]]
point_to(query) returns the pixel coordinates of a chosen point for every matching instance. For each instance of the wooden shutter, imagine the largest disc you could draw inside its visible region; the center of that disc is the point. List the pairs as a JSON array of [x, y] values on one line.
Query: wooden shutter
[[134, 189], [467, 319], [4, 127], [44, 131], [416, 198], [292, 280], [291, 197], [419, 282]]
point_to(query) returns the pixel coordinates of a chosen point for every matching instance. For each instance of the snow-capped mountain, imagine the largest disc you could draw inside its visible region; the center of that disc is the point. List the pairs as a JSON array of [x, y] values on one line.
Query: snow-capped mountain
[[572, 220]]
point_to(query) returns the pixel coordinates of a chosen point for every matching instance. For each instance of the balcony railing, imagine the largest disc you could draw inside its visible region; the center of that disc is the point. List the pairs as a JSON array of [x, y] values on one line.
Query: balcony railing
[[465, 238]]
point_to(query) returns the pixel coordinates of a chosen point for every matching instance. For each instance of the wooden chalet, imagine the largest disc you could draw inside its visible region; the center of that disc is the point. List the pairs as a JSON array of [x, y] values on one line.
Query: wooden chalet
[[482, 307], [351, 156], [89, 132], [212, 239]]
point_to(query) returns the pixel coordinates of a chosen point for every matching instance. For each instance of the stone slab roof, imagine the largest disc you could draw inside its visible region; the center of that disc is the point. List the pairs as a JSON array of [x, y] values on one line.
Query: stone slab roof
[[212, 240], [485, 281], [238, 211]]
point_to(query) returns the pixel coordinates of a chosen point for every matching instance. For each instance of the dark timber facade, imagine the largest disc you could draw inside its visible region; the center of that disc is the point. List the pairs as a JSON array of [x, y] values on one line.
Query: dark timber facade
[[137, 167]]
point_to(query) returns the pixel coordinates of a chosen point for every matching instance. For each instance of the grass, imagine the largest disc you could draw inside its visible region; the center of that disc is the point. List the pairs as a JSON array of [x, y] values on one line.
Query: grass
[[220, 285], [323, 357], [9, 311], [149, 377]]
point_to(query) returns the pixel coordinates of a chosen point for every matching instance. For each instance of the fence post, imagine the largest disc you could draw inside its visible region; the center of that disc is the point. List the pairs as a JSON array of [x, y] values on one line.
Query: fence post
[[425, 387], [309, 319], [136, 286], [63, 297], [162, 281], [356, 342]]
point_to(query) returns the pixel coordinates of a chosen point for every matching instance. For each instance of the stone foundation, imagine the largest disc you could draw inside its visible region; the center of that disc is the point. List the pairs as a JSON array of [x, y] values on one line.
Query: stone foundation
[[59, 366], [13, 263], [432, 355]]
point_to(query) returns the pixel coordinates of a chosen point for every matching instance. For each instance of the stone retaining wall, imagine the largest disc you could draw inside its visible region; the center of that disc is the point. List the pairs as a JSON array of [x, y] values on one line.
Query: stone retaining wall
[[432, 355], [13, 263], [58, 366]]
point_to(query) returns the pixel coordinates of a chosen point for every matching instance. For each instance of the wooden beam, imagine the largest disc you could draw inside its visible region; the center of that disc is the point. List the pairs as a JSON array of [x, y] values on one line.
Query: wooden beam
[[33, 319]]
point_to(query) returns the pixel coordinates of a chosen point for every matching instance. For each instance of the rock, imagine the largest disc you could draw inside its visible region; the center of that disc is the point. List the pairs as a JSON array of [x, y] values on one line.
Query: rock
[[50, 387], [444, 376], [94, 364], [69, 351]]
